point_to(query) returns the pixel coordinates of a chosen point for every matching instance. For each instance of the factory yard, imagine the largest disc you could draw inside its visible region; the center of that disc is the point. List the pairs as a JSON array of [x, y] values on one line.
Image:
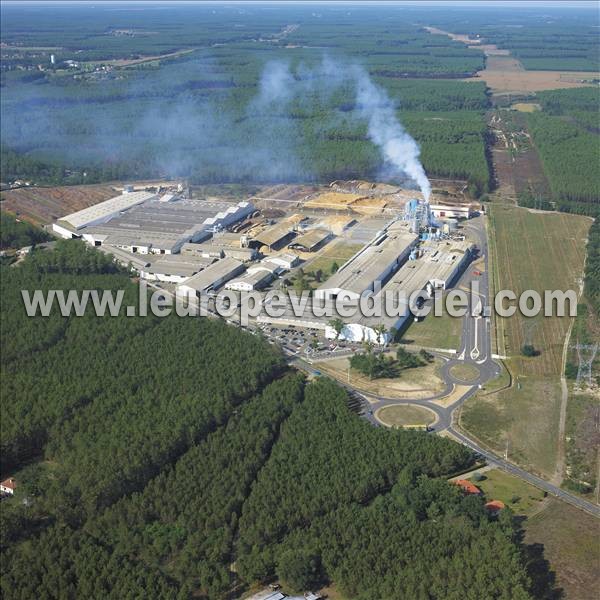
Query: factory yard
[[330, 239], [322, 239]]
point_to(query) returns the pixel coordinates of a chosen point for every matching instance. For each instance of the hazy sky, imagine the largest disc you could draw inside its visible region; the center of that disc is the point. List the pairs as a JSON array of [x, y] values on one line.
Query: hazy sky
[[480, 3]]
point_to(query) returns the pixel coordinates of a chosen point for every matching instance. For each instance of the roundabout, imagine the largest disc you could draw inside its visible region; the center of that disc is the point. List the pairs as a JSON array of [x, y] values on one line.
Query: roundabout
[[406, 415], [464, 372]]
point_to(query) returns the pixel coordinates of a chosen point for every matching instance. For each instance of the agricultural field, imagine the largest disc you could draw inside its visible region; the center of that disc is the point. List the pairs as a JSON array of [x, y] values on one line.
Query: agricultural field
[[540, 41], [527, 246], [434, 332]]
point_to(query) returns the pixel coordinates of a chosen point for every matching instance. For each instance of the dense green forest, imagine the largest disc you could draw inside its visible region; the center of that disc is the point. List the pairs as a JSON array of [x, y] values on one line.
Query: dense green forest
[[554, 39], [181, 456], [65, 125], [570, 156], [16, 234], [565, 135], [592, 267]]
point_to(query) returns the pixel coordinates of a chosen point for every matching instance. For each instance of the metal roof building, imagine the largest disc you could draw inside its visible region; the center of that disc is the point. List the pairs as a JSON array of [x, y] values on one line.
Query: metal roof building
[[311, 240], [104, 211], [275, 234], [251, 280], [175, 268], [212, 277], [163, 227]]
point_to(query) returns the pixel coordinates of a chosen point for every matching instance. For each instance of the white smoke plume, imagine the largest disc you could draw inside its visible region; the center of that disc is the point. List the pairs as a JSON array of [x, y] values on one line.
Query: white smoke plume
[[399, 150], [397, 146]]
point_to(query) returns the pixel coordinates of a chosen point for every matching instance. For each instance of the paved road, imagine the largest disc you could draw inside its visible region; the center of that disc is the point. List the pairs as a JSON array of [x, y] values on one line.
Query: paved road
[[475, 349]]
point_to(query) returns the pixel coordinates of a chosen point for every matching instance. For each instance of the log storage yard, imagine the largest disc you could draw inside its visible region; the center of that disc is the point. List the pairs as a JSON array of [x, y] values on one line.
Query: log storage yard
[[300, 300]]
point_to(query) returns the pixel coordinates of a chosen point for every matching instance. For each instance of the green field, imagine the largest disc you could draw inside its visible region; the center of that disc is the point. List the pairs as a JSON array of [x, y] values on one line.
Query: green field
[[434, 332], [527, 247]]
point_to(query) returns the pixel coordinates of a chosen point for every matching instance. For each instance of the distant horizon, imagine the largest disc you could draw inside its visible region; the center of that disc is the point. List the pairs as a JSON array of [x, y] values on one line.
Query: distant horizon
[[408, 3]]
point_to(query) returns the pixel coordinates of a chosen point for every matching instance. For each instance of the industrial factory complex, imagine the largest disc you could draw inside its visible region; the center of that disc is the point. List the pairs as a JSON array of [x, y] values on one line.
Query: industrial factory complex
[[203, 247]]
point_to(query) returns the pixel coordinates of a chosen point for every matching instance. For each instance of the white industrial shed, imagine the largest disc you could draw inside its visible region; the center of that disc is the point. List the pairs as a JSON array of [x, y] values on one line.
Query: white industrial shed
[[438, 267], [457, 211], [102, 212], [251, 280]]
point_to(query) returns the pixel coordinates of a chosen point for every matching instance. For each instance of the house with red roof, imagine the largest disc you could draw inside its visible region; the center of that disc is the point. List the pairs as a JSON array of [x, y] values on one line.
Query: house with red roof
[[8, 486], [495, 506], [468, 487]]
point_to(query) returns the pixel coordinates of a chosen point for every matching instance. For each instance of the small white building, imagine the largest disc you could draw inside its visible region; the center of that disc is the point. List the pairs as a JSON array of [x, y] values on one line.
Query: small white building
[[250, 281], [287, 260], [456, 211]]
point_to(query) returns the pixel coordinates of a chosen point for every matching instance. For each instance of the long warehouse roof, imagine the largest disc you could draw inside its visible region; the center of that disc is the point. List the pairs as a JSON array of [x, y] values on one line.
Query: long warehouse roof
[[217, 272], [311, 238], [107, 208], [271, 235]]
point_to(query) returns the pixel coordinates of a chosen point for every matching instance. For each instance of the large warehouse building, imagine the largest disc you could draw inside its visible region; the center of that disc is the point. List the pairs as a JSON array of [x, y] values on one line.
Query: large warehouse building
[[69, 225], [140, 223], [391, 261], [211, 278]]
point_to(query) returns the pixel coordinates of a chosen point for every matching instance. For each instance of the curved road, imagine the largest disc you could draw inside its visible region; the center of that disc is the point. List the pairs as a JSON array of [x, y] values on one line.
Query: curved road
[[475, 349]]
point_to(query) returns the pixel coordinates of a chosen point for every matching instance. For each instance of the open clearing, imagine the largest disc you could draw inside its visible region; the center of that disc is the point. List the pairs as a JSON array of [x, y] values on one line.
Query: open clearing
[[570, 540], [509, 79], [527, 107], [536, 251], [405, 416], [522, 498], [505, 74], [420, 382], [524, 418]]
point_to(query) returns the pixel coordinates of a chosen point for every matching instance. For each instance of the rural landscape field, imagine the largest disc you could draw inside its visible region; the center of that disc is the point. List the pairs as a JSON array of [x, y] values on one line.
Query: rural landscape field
[[191, 191]]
